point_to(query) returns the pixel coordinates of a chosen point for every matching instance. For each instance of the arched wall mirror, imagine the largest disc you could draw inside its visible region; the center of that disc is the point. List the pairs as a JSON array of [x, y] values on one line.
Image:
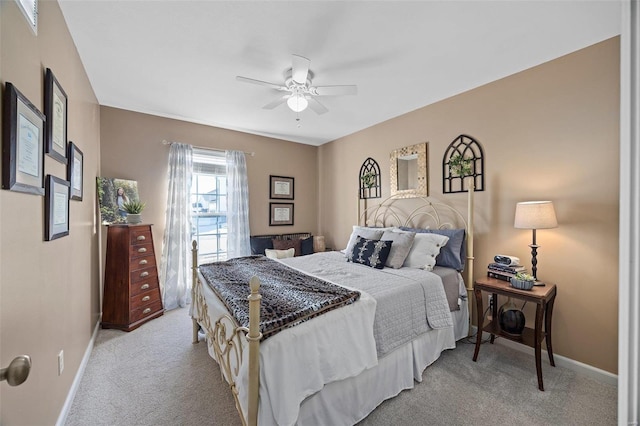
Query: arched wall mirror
[[408, 175]]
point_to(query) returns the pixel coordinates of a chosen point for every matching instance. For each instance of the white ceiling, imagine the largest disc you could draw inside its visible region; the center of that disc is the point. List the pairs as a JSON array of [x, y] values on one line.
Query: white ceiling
[[179, 59]]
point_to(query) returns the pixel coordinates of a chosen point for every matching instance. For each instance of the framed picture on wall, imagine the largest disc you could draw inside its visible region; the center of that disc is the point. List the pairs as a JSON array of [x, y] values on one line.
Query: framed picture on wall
[[281, 187], [56, 205], [280, 214], [22, 144], [74, 171], [55, 109]]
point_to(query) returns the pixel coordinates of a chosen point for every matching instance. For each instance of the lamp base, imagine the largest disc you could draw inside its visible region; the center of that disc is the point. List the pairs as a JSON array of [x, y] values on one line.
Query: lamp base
[[539, 284]]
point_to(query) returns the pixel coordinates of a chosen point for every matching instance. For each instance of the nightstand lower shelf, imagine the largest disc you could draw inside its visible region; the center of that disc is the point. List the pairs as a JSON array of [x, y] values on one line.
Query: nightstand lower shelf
[[528, 336]]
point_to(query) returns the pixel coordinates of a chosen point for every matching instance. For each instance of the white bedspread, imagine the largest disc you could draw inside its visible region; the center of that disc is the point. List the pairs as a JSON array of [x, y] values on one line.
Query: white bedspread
[[339, 344]]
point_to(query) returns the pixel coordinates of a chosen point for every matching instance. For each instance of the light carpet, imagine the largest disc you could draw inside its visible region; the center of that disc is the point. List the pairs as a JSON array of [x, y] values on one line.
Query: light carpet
[[154, 375]]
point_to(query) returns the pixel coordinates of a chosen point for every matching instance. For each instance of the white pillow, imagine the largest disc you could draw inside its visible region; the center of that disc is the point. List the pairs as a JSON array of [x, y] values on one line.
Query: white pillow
[[279, 254], [402, 242], [364, 232], [424, 250]]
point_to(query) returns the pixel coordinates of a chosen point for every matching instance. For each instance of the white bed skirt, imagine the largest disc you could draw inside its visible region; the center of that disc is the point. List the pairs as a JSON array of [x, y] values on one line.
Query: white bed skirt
[[348, 401]]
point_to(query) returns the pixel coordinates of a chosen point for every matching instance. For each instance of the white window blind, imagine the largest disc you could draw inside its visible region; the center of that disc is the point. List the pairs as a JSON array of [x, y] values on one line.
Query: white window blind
[[30, 11]]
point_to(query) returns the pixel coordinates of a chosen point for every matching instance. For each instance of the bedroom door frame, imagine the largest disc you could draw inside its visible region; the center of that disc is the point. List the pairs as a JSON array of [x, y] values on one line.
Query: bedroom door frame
[[629, 240]]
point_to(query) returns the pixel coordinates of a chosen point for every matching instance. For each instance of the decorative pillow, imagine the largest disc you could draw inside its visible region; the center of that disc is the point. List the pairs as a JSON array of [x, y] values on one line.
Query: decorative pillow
[[424, 251], [259, 245], [372, 253], [306, 246], [287, 244], [454, 254], [365, 232], [402, 241], [279, 254]]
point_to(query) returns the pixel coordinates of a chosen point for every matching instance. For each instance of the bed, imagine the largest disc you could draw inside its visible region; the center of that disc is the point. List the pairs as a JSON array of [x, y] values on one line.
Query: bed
[[337, 367]]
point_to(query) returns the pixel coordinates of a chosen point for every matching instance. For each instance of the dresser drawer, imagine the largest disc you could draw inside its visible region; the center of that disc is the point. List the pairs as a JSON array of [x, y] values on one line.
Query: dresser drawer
[[146, 274], [143, 286], [145, 311], [140, 236], [144, 299], [142, 262], [140, 250]]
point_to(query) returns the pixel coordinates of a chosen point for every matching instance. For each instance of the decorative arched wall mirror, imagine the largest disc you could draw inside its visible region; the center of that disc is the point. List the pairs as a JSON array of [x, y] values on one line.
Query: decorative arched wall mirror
[[408, 175]]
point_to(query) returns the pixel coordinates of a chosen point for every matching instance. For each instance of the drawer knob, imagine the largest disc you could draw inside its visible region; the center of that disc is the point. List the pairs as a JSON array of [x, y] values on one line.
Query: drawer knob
[[144, 299], [144, 274], [141, 238], [144, 286], [146, 311], [142, 250], [143, 262]]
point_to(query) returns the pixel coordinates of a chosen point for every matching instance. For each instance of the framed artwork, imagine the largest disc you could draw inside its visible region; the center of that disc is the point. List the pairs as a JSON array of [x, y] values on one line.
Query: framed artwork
[[74, 171], [280, 187], [55, 109], [280, 214], [56, 206], [22, 144], [112, 194]]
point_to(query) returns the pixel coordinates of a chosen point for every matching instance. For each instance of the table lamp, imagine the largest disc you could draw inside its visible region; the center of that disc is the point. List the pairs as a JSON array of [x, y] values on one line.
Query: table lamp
[[535, 215]]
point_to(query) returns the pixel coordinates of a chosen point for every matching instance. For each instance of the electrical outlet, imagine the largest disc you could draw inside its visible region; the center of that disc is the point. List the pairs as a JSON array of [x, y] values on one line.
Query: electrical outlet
[[60, 362]]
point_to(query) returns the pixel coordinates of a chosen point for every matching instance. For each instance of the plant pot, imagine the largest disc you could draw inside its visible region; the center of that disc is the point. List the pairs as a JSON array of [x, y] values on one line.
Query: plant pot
[[522, 284], [511, 318], [134, 218]]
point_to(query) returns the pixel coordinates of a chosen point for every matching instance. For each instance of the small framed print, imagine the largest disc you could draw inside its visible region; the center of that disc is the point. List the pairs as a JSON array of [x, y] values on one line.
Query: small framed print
[[55, 109], [56, 203], [280, 187], [74, 171], [280, 214], [22, 144]]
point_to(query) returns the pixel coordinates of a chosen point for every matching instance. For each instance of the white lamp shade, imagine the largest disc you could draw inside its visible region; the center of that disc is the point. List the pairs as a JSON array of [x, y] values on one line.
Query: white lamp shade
[[297, 103], [535, 215]]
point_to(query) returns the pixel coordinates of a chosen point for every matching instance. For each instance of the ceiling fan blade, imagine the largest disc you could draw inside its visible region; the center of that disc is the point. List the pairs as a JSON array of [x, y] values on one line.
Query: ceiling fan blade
[[334, 90], [316, 106], [300, 69], [260, 83], [276, 102]]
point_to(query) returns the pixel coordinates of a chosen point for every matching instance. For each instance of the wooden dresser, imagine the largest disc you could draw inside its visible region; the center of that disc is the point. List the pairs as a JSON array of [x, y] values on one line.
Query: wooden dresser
[[131, 288]]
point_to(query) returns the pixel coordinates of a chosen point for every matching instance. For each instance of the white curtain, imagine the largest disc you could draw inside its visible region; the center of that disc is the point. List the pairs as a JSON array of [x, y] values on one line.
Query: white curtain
[[175, 268], [237, 205]]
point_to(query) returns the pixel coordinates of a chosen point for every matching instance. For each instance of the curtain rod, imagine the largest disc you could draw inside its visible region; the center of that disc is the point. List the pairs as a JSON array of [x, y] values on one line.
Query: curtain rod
[[166, 142]]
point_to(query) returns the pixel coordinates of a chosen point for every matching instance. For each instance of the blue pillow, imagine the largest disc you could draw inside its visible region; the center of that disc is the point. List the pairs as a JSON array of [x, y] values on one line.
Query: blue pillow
[[306, 246], [258, 245], [454, 253], [372, 253]]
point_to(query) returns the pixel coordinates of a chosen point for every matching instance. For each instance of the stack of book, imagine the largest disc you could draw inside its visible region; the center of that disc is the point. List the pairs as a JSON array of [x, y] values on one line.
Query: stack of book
[[504, 272]]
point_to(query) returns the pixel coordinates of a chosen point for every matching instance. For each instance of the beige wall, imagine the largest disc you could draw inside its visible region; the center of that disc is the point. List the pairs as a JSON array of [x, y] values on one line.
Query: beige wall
[[49, 291], [132, 149], [550, 132]]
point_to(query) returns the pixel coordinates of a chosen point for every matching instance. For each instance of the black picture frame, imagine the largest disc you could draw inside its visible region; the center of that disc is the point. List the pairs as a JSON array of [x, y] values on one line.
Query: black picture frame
[[56, 206], [22, 144], [75, 169], [281, 187], [55, 109], [280, 214]]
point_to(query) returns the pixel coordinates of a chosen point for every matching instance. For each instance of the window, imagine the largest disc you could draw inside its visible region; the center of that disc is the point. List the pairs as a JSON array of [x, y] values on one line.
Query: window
[[30, 11], [209, 205]]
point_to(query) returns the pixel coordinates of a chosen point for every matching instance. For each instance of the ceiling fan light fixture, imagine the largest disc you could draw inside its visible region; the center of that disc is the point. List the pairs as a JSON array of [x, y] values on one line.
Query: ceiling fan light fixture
[[297, 103]]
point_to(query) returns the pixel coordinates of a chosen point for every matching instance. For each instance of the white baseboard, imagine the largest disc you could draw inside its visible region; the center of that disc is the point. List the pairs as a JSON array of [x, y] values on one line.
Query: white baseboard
[[62, 418], [561, 361]]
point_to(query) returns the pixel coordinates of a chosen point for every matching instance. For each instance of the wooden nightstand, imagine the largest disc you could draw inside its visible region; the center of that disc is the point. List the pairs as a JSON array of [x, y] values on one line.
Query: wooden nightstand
[[542, 296]]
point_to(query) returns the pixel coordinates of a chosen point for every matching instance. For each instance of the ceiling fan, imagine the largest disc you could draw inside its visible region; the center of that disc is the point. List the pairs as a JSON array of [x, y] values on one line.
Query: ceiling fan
[[300, 92]]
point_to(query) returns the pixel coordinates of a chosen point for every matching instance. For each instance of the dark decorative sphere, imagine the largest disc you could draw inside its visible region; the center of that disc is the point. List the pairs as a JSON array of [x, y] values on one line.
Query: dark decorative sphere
[[511, 319]]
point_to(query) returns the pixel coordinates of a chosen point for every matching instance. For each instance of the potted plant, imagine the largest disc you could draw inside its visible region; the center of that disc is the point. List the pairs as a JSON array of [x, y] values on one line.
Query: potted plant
[[460, 166], [523, 281], [133, 209]]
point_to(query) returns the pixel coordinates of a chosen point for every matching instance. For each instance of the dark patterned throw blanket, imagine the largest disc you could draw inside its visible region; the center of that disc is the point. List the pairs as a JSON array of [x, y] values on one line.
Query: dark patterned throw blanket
[[289, 297]]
